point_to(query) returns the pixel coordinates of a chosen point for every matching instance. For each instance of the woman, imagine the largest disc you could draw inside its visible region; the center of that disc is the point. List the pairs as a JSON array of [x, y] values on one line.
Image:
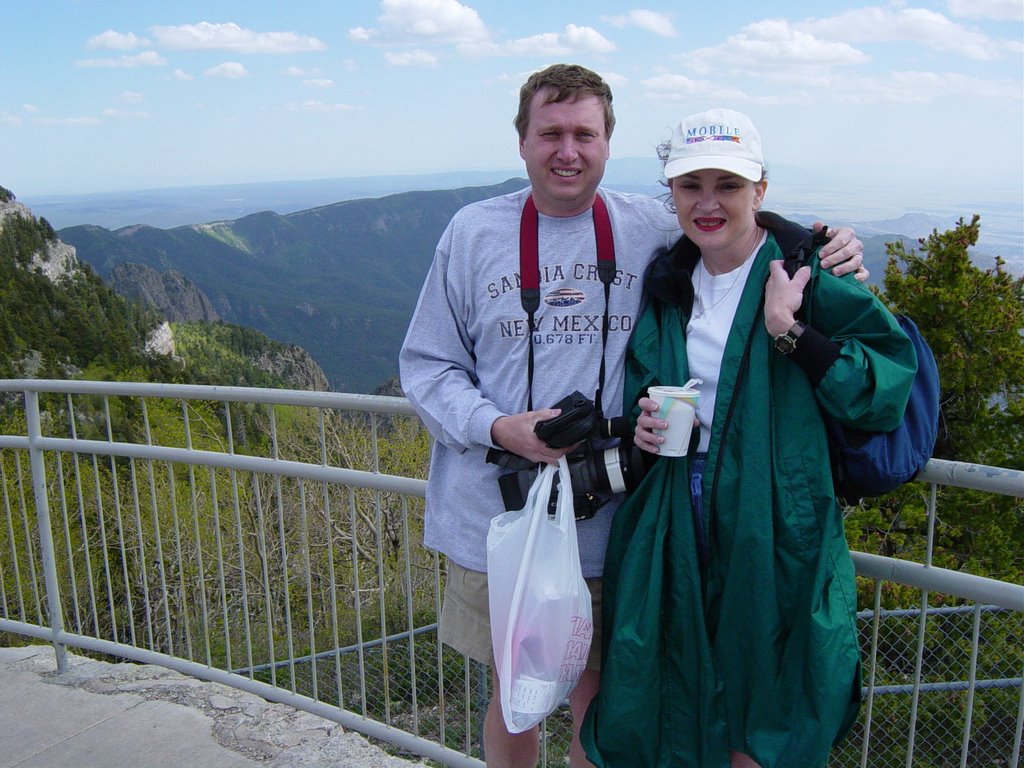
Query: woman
[[729, 589]]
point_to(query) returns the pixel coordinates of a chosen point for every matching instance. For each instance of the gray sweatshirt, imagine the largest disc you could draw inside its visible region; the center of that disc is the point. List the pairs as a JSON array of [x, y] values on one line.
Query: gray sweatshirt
[[463, 363]]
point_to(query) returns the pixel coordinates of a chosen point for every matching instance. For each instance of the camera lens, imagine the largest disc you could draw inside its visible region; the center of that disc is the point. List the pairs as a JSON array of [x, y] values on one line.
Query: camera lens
[[621, 468], [595, 475], [610, 471]]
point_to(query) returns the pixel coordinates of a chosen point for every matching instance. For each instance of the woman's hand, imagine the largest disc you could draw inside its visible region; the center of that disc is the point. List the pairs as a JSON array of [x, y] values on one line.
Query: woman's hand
[[643, 436], [783, 297]]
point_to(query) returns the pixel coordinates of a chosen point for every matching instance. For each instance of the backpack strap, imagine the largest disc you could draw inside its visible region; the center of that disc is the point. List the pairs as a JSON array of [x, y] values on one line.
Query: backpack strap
[[801, 253], [788, 234]]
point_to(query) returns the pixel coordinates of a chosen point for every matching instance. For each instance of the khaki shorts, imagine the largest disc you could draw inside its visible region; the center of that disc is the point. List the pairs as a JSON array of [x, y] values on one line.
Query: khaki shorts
[[466, 619]]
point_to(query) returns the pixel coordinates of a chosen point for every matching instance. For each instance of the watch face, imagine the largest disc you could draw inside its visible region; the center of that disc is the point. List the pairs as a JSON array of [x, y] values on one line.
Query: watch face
[[785, 343]]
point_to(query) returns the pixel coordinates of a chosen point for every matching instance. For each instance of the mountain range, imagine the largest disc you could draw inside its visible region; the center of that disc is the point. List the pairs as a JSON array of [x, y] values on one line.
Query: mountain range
[[338, 280]]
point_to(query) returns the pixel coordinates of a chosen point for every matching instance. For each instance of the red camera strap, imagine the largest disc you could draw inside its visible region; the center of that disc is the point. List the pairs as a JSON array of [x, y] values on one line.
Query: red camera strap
[[529, 279]]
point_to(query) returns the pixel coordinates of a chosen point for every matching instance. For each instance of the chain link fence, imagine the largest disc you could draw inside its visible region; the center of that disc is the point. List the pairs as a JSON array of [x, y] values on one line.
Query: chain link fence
[[957, 722], [278, 537]]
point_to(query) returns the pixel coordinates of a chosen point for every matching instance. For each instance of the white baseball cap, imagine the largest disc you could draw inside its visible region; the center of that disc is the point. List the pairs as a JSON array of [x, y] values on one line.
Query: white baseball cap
[[719, 138]]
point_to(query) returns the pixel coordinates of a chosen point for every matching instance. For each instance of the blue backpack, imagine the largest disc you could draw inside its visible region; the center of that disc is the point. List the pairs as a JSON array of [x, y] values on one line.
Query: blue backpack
[[868, 464]]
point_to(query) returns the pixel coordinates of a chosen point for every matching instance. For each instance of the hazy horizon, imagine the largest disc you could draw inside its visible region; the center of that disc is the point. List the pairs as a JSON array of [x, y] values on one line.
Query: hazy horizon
[[794, 191]]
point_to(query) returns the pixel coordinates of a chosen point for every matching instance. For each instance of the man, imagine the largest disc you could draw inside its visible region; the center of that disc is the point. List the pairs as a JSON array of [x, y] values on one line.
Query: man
[[465, 360]]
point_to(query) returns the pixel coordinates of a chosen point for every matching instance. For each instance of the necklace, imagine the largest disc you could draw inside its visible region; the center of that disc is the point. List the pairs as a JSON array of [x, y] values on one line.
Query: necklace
[[704, 307]]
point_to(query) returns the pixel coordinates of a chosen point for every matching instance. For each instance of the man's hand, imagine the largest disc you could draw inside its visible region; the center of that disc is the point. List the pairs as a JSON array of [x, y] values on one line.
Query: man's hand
[[515, 434], [844, 252]]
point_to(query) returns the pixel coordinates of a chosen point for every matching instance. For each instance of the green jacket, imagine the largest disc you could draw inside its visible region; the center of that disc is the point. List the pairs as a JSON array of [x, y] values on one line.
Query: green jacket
[[759, 654]]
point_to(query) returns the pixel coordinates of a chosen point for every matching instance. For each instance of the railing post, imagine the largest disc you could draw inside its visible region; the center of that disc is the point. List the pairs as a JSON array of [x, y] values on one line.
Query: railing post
[[38, 465], [1015, 754]]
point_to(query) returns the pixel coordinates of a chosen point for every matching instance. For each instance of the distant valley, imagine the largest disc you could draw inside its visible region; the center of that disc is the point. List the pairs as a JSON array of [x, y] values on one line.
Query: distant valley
[[339, 280]]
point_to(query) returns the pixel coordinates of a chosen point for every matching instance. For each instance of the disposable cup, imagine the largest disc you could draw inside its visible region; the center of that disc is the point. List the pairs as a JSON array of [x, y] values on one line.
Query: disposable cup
[[678, 406]]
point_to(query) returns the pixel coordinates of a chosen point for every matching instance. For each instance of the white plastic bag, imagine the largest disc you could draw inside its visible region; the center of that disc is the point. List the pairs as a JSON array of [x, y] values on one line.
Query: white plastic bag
[[541, 614]]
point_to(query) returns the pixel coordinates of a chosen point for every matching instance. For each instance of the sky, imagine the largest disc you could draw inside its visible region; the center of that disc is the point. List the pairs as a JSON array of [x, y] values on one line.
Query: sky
[[102, 95]]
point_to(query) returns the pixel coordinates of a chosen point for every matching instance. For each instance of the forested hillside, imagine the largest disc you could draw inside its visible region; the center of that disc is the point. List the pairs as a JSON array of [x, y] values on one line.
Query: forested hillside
[[58, 319], [340, 280]]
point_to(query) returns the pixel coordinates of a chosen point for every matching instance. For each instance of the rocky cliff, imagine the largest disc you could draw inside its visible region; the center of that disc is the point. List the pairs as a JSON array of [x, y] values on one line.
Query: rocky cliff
[[169, 292], [295, 365], [60, 325], [56, 259]]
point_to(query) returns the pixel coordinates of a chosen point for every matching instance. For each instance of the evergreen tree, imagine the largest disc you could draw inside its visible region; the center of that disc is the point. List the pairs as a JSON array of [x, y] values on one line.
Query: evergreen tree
[[973, 319], [51, 329]]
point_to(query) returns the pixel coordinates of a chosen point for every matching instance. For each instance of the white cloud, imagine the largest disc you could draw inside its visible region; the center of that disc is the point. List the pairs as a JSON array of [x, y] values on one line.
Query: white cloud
[[294, 71], [144, 59], [651, 21], [588, 39], [807, 57], [116, 41], [127, 114], [917, 25], [614, 79], [6, 119], [131, 97], [416, 58], [1011, 10], [317, 106], [67, 121], [231, 70], [681, 88], [546, 44], [30, 108], [349, 65], [895, 88], [447, 22], [911, 87], [182, 75], [231, 37], [481, 49], [773, 49], [437, 21], [319, 82]]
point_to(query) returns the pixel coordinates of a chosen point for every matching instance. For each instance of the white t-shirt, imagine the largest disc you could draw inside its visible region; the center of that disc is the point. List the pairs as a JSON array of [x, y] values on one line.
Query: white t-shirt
[[715, 300]]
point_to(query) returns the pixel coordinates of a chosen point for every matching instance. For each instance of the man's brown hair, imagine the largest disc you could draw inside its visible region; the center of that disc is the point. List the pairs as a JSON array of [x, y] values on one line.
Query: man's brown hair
[[564, 82]]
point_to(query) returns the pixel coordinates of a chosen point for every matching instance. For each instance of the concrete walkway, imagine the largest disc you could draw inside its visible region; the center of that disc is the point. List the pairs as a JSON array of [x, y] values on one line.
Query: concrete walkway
[[100, 715]]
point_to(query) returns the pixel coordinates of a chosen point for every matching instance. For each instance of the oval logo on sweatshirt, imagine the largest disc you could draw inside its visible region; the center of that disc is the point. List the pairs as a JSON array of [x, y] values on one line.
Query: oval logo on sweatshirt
[[564, 297]]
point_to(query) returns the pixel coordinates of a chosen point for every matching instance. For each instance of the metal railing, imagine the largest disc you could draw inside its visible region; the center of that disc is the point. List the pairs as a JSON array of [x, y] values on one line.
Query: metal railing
[[271, 540]]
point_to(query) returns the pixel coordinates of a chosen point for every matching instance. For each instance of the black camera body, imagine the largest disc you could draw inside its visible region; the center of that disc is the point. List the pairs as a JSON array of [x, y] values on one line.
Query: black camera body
[[597, 474]]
